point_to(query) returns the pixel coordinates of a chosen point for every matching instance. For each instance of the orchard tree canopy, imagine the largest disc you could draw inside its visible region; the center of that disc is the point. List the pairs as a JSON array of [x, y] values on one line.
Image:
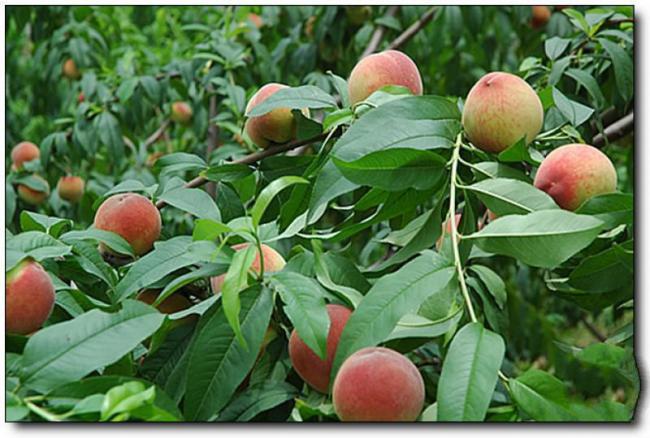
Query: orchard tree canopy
[[319, 213]]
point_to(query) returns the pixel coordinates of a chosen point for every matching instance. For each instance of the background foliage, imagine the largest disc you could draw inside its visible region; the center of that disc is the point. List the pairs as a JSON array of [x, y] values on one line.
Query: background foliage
[[564, 317]]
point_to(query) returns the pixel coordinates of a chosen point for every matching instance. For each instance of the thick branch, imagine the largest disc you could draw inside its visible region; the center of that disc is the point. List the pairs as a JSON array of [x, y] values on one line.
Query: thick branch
[[252, 158], [378, 34], [616, 130], [413, 29]]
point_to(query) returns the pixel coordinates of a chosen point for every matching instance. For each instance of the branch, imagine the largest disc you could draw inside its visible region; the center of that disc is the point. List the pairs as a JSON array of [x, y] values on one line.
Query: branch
[[157, 134], [413, 29], [594, 330], [378, 34], [252, 158], [213, 139], [616, 130]]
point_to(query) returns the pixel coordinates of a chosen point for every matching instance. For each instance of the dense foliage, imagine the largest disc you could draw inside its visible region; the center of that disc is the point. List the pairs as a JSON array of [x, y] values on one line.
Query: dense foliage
[[510, 307]]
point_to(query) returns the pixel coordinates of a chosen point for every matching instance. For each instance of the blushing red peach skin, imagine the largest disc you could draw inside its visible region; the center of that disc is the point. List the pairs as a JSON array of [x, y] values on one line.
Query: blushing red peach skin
[[29, 298]]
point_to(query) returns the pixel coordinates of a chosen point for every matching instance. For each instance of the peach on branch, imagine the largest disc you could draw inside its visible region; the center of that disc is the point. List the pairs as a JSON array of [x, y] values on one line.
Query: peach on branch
[[181, 112], [311, 368], [540, 16], [390, 67], [500, 110], [273, 262], [34, 196], [573, 173], [378, 384], [71, 188], [276, 126], [29, 298], [132, 216], [70, 69], [23, 152]]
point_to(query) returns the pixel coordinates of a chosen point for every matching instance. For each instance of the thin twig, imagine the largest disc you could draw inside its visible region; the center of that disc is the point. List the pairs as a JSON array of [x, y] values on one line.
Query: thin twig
[[616, 130], [412, 30], [252, 158], [594, 330], [378, 34], [213, 139], [157, 134]]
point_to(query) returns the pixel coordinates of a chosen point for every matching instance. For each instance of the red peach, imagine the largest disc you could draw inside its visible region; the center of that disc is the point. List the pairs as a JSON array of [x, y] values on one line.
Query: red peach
[[133, 217], [23, 152], [71, 188], [540, 16], [273, 262], [70, 69], [276, 126], [500, 109], [378, 384], [311, 368], [390, 67], [32, 196], [29, 298], [573, 173], [181, 112]]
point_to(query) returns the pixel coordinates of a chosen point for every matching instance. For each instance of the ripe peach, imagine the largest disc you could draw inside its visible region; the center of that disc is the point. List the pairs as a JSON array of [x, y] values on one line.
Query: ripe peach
[[133, 217], [390, 67], [29, 298], [357, 15], [378, 384], [573, 173], [446, 230], [181, 112], [32, 196], [71, 188], [23, 152], [500, 109], [172, 304], [273, 262], [276, 126], [540, 16], [70, 69], [311, 368]]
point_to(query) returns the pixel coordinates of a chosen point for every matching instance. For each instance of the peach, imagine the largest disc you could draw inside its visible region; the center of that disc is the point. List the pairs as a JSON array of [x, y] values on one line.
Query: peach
[[133, 217], [81, 97], [446, 230], [390, 67], [181, 113], [378, 384], [33, 196], [500, 109], [357, 15], [23, 152], [273, 262], [256, 20], [71, 188], [276, 126], [29, 298], [573, 173], [174, 303], [540, 16], [70, 69], [311, 368]]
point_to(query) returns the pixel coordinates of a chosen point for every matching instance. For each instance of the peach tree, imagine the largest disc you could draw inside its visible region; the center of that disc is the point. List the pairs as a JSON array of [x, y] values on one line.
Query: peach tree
[[320, 213]]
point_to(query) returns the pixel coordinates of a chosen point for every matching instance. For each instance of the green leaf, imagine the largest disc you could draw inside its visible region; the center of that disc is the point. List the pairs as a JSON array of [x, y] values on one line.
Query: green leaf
[[126, 89], [306, 96], [194, 201], [491, 169], [576, 113], [623, 68], [505, 196], [30, 221], [217, 362], [395, 169], [589, 83], [541, 396], [207, 229], [257, 399], [469, 374], [236, 280], [304, 304], [492, 282], [179, 162], [92, 262], [554, 47], [543, 238], [271, 191], [110, 134], [391, 297], [34, 244], [517, 152], [67, 351], [612, 208], [606, 271], [114, 241], [227, 172]]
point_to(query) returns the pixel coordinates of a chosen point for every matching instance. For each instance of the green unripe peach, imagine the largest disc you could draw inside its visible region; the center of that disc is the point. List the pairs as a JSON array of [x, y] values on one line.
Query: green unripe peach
[[71, 188], [23, 152], [373, 72], [378, 384], [311, 368], [276, 126], [132, 216], [573, 173], [273, 262], [29, 298], [181, 112], [500, 110]]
